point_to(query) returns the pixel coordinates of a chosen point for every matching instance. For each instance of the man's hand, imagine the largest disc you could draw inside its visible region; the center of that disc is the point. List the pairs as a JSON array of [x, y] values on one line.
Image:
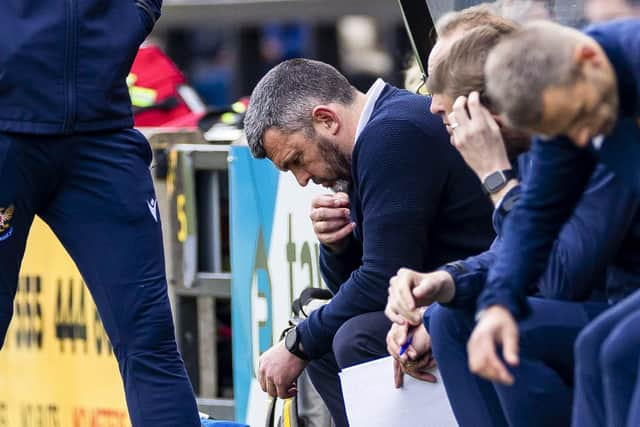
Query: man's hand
[[278, 371], [477, 136], [495, 328], [410, 290], [417, 359], [331, 221]]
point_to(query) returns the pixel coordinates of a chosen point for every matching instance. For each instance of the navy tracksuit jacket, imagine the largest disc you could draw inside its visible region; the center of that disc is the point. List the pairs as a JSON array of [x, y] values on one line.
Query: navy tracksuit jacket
[[561, 174], [68, 154]]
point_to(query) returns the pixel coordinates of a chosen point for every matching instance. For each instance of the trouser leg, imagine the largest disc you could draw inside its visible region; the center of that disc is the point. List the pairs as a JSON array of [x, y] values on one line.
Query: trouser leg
[[359, 340], [323, 373], [25, 166], [474, 401], [106, 216], [589, 400], [619, 358], [634, 411], [543, 388]]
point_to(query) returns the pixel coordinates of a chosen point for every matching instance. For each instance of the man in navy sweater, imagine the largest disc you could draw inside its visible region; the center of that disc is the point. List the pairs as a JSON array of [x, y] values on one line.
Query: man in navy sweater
[[606, 204], [413, 201], [590, 93]]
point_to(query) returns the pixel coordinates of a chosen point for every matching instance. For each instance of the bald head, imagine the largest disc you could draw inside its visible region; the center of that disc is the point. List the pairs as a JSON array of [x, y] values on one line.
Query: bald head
[[545, 76]]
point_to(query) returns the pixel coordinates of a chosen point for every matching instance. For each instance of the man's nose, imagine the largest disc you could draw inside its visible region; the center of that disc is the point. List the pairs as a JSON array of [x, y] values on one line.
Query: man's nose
[[581, 137], [302, 177], [436, 106]]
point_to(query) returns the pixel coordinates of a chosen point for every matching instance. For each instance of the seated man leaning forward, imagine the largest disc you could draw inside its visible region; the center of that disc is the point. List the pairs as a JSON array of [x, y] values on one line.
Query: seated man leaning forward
[[412, 202], [601, 230], [589, 92]]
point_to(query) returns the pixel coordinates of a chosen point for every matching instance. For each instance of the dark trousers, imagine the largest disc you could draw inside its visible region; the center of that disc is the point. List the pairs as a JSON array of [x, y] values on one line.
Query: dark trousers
[[607, 359], [360, 339], [95, 192], [542, 393]]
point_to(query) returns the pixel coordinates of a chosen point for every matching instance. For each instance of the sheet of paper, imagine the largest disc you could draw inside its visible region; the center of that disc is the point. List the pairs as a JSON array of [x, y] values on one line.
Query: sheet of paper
[[373, 401]]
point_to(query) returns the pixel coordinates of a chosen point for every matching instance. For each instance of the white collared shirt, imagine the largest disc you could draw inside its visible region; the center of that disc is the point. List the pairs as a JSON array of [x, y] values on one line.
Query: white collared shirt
[[372, 97]]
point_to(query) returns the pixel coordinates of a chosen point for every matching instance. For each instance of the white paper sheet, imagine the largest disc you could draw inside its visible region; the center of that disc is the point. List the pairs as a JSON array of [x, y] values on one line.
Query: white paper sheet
[[372, 400]]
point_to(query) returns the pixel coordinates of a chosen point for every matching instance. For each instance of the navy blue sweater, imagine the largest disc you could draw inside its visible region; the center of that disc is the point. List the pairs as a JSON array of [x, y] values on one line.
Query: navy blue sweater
[[415, 204], [559, 177]]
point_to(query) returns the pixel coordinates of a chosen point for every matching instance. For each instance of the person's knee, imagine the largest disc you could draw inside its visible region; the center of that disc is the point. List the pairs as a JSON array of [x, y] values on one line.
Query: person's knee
[[361, 339], [152, 333], [446, 325], [614, 353], [349, 343], [587, 348]]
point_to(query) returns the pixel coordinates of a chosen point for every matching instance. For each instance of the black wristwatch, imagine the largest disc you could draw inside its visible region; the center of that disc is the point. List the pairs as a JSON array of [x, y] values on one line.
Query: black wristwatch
[[292, 343], [496, 181]]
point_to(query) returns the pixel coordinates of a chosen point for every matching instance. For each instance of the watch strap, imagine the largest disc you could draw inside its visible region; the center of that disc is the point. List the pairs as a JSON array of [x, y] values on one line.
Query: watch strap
[[295, 349]]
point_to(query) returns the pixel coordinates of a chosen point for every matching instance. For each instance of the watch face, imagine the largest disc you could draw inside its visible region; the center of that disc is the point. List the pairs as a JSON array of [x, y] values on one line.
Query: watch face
[[494, 181], [290, 339]]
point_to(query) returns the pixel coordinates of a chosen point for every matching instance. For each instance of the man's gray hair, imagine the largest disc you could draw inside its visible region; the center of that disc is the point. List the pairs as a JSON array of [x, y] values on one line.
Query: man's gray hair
[[285, 97], [522, 66]]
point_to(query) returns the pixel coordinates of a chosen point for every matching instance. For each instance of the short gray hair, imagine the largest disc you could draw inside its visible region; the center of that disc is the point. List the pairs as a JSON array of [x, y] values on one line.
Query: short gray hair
[[285, 97], [522, 66]]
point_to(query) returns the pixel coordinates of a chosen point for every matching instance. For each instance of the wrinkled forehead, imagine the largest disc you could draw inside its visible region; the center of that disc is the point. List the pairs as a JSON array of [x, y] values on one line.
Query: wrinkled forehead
[[279, 144], [274, 140]]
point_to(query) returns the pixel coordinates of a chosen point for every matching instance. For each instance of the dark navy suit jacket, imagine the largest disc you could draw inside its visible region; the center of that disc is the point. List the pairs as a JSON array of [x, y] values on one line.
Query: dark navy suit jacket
[[560, 173]]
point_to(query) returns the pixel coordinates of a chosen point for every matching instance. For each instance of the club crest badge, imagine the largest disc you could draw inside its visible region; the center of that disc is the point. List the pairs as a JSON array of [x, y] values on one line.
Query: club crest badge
[[6, 230]]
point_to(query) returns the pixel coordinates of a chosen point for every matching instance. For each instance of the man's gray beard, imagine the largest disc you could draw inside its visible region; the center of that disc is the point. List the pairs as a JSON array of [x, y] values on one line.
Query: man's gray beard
[[339, 164], [342, 185]]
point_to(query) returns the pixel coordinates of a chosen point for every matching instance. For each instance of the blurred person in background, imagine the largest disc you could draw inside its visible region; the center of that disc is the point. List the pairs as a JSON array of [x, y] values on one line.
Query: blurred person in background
[[456, 67], [69, 154], [411, 201], [605, 10], [589, 95]]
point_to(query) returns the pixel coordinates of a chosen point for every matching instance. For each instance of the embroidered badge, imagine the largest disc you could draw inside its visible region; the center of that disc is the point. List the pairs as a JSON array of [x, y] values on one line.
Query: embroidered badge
[[6, 230]]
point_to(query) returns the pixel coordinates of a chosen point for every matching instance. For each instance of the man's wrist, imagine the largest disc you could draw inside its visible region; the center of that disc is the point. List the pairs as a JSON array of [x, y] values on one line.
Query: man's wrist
[[490, 310], [338, 247], [448, 288], [293, 343], [499, 195]]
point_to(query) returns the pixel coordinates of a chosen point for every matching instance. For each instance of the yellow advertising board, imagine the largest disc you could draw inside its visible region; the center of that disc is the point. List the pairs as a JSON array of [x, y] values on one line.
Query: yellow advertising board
[[57, 368]]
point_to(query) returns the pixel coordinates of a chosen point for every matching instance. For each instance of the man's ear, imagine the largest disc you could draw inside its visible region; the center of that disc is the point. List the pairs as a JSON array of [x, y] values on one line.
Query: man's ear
[[499, 120], [585, 54], [325, 120]]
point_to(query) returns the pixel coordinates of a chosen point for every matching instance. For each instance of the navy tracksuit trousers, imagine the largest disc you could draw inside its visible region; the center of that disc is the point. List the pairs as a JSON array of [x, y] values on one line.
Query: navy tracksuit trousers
[[360, 339], [542, 393], [95, 192], [607, 367]]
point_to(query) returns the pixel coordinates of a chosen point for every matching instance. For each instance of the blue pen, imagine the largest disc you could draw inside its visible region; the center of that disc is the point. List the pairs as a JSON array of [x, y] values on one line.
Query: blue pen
[[405, 346]]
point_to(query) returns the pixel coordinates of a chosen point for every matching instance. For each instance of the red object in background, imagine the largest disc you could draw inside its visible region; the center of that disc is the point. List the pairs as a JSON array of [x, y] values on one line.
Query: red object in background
[[155, 85]]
